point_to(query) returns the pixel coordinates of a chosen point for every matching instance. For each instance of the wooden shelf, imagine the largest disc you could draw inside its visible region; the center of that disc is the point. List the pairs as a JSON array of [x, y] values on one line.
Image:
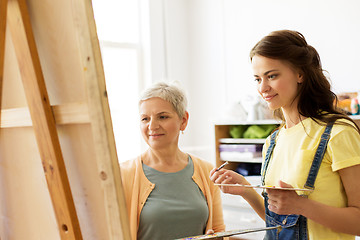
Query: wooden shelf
[[222, 136], [256, 122], [243, 160], [242, 140]]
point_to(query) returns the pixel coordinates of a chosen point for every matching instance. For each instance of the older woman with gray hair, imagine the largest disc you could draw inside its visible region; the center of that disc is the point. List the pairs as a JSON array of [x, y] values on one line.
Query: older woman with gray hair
[[168, 192]]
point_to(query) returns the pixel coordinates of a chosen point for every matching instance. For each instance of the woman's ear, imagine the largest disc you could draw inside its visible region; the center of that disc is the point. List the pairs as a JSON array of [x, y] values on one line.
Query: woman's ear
[[300, 78], [185, 120]]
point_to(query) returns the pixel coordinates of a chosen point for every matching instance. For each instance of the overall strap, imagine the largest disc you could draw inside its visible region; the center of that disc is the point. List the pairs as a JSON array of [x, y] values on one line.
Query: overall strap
[[320, 151], [268, 156]]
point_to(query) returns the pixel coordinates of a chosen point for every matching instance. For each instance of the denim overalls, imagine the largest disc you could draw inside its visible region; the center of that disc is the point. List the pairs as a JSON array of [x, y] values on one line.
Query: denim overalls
[[292, 226]]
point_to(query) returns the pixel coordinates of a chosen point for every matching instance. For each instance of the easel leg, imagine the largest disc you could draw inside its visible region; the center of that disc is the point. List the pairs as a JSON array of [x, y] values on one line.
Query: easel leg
[[3, 11], [43, 120]]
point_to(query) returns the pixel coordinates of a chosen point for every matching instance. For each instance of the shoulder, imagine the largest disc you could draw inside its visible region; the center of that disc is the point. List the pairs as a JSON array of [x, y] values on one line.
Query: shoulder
[[344, 146], [129, 173], [343, 132], [344, 126], [129, 166], [202, 164], [202, 170], [340, 127], [342, 123]]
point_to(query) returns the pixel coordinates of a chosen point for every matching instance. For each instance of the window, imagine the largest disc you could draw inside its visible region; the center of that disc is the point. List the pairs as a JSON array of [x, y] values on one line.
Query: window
[[118, 26]]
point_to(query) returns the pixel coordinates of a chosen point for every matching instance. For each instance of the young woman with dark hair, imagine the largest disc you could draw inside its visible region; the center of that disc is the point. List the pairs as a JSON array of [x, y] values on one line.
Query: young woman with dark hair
[[317, 147]]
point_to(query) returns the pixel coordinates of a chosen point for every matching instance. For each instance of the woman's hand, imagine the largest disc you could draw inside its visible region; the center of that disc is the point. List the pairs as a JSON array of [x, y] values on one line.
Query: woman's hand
[[228, 177], [284, 201], [223, 176]]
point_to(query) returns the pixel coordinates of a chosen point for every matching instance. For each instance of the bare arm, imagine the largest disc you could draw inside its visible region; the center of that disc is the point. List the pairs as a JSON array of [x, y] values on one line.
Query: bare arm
[[250, 195], [344, 220]]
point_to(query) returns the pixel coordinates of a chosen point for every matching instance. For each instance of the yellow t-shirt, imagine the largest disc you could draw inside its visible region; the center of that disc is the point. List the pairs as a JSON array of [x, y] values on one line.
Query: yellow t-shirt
[[292, 158]]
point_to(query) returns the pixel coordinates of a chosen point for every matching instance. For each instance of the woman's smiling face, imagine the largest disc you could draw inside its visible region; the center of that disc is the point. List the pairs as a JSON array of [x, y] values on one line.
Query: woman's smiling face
[[277, 82], [160, 124]]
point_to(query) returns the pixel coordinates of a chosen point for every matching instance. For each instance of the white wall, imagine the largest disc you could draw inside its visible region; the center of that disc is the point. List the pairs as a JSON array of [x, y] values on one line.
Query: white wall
[[331, 26], [194, 55], [206, 43]]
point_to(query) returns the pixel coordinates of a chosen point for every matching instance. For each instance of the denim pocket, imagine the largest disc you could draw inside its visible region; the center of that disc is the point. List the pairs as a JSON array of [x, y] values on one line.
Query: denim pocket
[[289, 225], [285, 221]]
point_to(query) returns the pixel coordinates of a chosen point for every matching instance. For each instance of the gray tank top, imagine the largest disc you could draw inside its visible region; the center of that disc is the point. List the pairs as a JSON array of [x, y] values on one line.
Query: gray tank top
[[176, 208]]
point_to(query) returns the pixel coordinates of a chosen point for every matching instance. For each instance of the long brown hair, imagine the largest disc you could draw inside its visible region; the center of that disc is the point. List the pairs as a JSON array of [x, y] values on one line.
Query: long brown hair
[[316, 100]]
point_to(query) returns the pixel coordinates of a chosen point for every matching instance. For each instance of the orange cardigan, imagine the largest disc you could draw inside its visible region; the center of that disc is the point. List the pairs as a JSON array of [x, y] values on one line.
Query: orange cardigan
[[137, 188]]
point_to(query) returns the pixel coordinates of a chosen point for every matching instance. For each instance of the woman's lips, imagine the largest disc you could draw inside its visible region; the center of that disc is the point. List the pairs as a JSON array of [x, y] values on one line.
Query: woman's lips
[[155, 135], [268, 98]]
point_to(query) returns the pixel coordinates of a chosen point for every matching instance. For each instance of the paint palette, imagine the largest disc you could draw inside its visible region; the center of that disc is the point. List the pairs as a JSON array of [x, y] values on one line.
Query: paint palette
[[263, 187], [229, 233]]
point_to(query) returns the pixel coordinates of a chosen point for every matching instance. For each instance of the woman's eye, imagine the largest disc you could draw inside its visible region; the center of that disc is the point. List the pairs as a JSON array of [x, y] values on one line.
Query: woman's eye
[[144, 119], [272, 76], [257, 80], [163, 117]]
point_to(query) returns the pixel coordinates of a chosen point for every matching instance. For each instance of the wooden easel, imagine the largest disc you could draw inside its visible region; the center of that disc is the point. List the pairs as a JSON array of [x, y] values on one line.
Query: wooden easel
[[44, 120], [3, 11]]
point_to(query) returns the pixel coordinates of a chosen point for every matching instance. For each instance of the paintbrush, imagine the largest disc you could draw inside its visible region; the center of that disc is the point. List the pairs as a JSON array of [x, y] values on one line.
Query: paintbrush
[[222, 165]]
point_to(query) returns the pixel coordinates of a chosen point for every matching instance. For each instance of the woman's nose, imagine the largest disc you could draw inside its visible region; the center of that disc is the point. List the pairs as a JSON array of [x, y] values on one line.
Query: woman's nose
[[153, 124], [263, 87]]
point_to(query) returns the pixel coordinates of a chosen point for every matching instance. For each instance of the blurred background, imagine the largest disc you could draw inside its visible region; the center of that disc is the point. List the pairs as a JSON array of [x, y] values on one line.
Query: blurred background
[[205, 45]]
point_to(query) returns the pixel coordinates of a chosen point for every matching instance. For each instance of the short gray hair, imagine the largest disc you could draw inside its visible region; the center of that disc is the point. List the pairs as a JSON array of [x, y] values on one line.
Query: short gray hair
[[168, 92]]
